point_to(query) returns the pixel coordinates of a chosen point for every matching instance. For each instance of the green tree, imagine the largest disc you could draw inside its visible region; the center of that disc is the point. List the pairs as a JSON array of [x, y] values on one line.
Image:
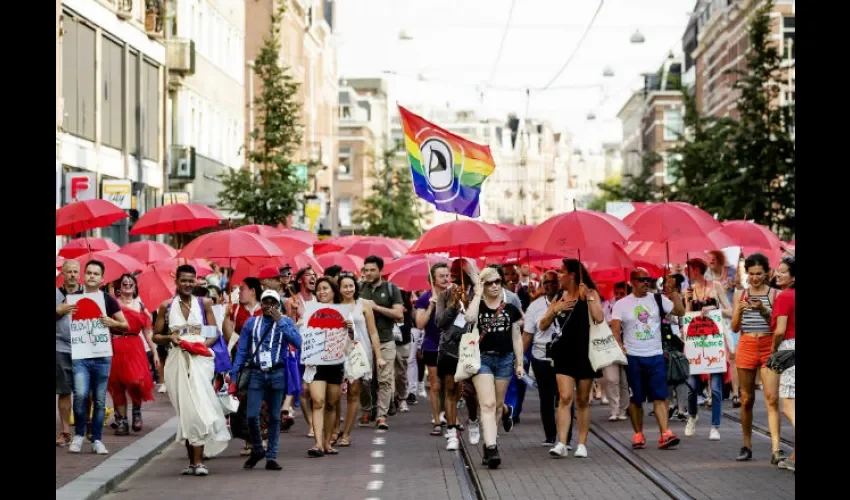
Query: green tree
[[598, 202], [393, 208], [763, 149], [271, 194], [640, 187]]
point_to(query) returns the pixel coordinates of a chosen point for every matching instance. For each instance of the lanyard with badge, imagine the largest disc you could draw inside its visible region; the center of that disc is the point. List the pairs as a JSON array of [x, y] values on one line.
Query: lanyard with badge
[[265, 356]]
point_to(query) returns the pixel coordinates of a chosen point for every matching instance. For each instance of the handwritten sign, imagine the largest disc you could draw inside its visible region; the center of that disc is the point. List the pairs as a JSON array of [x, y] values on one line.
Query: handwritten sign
[[705, 346], [89, 338], [324, 335]]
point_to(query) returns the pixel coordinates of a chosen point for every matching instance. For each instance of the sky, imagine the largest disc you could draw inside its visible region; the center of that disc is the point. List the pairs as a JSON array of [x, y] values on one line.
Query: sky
[[457, 46]]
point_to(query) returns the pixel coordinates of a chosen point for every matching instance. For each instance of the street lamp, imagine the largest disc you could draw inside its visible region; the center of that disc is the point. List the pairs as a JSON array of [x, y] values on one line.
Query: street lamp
[[591, 116], [404, 36], [608, 71], [637, 37]]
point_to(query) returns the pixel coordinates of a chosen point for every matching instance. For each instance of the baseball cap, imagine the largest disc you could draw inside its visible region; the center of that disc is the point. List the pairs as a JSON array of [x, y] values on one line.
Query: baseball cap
[[268, 272], [270, 293]]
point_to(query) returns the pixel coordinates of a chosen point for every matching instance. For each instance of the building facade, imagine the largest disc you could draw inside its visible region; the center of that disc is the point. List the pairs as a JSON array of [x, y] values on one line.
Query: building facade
[[631, 117], [308, 49], [722, 42], [662, 123], [110, 118], [206, 95]]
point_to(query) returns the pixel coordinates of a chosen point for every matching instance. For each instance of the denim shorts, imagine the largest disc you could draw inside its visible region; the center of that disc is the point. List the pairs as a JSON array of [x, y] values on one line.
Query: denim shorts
[[501, 366], [647, 378]]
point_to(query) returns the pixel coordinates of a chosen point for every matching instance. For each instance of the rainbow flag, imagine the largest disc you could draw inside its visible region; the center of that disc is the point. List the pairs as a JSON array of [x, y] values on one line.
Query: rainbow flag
[[448, 171]]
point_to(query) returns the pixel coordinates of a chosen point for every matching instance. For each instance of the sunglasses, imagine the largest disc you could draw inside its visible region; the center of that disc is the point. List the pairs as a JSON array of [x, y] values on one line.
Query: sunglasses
[[643, 280], [494, 282]]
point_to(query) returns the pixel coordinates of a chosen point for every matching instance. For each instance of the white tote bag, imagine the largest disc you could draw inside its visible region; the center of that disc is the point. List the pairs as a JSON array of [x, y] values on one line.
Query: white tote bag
[[603, 349], [357, 363], [469, 357]]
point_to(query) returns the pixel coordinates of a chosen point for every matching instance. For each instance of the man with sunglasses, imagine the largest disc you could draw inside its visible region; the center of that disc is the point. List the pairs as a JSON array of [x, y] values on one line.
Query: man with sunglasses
[[636, 324], [286, 281]]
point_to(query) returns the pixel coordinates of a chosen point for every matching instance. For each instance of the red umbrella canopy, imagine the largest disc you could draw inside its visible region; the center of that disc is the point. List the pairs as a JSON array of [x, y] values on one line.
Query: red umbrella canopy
[[293, 242], [229, 246], [148, 251], [412, 276], [115, 263], [348, 262], [80, 247], [82, 216], [751, 235], [251, 266], [460, 237], [680, 250], [202, 268], [670, 221], [577, 230], [59, 261], [156, 286], [260, 229], [426, 260], [384, 249], [176, 218], [337, 244]]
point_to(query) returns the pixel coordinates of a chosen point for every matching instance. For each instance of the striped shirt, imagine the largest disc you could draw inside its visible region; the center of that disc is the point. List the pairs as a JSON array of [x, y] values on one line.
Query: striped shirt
[[752, 321]]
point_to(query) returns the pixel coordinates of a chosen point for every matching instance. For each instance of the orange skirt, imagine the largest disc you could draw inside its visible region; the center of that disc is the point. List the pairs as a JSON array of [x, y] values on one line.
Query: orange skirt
[[753, 352]]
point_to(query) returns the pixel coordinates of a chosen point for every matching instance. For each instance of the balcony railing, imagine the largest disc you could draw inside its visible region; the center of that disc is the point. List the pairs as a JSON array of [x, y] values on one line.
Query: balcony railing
[[124, 8]]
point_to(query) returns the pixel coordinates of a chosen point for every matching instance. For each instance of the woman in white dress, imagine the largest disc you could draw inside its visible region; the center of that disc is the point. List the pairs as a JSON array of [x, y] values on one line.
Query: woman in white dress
[[189, 372], [362, 323]]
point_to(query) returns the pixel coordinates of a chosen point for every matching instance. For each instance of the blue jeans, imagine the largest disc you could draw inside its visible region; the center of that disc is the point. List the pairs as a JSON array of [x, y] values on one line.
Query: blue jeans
[[90, 375], [716, 397], [271, 387]]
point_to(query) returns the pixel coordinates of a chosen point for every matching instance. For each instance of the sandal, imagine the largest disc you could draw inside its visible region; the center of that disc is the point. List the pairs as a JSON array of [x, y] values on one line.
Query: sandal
[[64, 439], [331, 451], [311, 434], [343, 442], [334, 438], [314, 452], [246, 451], [736, 402]]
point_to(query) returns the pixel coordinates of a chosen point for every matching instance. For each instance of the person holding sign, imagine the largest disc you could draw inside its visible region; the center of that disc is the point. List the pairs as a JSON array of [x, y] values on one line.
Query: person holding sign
[[64, 363], [262, 347], [188, 324], [636, 324], [93, 355], [703, 296]]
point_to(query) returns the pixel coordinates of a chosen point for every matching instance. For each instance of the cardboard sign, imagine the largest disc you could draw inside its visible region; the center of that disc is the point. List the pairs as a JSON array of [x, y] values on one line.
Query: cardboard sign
[[705, 344], [323, 334], [89, 338]]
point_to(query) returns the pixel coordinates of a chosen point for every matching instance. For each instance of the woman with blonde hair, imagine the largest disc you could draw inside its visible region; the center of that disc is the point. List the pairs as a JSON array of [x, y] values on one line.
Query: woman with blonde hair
[[501, 355]]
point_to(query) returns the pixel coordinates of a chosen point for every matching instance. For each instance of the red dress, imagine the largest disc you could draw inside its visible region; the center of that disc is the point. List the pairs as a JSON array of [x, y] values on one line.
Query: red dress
[[130, 368]]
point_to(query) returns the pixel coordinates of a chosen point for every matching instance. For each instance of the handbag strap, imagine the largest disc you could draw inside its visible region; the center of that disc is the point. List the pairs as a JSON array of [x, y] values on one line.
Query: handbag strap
[[498, 313]]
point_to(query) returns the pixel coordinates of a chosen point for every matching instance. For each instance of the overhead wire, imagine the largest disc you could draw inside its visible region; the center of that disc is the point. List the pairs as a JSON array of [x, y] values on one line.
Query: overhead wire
[[502, 44], [577, 47]]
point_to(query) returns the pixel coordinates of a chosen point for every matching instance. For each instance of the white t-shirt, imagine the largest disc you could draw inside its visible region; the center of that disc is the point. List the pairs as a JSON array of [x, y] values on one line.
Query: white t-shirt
[[536, 311], [641, 324]]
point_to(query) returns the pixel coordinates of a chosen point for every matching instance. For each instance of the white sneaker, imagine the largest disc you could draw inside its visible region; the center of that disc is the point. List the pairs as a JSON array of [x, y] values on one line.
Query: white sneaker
[[605, 400], [474, 432], [76, 444], [99, 448], [581, 451], [162, 389], [443, 420], [452, 441], [422, 392], [691, 426], [559, 451], [402, 406], [612, 418], [714, 434]]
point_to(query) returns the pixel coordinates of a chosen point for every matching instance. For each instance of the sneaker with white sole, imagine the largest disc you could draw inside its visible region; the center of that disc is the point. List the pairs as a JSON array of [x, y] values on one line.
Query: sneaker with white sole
[[162, 390], [76, 445], [559, 450], [201, 470], [581, 451], [422, 392], [612, 418], [443, 420], [474, 432], [99, 448], [452, 441], [402, 406], [691, 426], [714, 434]]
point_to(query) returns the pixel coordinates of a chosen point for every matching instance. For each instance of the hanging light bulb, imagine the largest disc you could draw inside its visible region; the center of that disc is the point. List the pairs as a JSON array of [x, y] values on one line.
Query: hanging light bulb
[[637, 37], [608, 71], [591, 116]]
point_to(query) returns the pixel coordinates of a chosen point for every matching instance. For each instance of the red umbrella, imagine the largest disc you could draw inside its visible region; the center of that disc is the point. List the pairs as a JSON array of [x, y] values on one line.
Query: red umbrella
[[670, 221], [306, 235], [293, 242], [59, 261], [82, 216], [148, 251], [260, 229], [202, 268], [577, 232], [466, 237], [337, 244], [412, 276], [176, 218], [115, 263], [677, 251], [229, 245], [156, 286], [793, 243], [374, 246], [751, 236], [80, 247], [426, 260], [346, 261], [596, 258], [251, 266]]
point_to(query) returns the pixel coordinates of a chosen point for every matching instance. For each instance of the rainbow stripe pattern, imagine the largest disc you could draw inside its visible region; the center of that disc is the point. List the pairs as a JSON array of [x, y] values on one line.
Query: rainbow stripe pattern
[[448, 171]]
